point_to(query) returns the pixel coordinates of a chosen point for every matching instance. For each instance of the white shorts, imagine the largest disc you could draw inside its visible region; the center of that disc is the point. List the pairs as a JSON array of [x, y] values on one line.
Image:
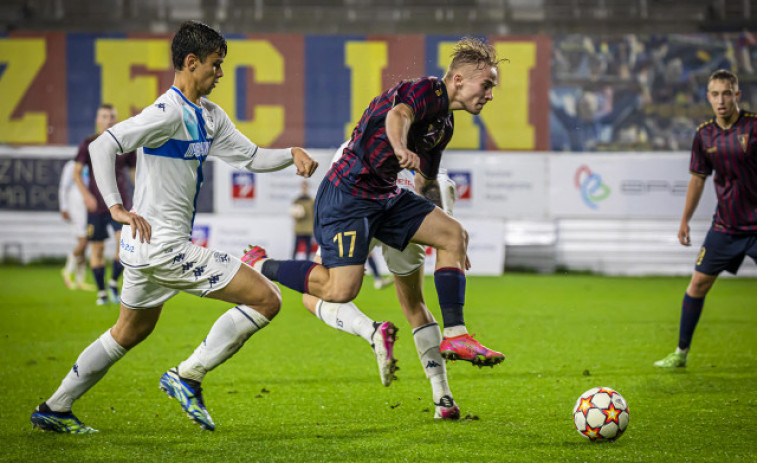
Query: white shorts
[[188, 267], [78, 224], [402, 263]]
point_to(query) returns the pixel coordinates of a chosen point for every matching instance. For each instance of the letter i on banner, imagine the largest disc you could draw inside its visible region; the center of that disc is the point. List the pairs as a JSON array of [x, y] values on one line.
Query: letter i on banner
[[367, 60]]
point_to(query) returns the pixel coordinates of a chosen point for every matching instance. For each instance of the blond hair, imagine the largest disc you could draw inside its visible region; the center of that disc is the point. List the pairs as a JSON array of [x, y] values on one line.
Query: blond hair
[[470, 50]]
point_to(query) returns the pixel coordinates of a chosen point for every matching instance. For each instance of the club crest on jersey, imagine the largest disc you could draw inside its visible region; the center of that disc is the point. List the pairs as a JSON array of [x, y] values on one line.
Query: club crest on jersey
[[744, 142]]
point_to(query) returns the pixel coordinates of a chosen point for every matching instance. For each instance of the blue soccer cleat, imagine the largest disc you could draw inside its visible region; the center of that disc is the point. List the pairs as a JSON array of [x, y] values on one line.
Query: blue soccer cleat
[[189, 395], [63, 422]]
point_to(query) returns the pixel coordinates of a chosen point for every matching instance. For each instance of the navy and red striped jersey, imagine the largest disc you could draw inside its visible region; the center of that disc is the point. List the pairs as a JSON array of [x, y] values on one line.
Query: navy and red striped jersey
[[368, 168], [732, 154]]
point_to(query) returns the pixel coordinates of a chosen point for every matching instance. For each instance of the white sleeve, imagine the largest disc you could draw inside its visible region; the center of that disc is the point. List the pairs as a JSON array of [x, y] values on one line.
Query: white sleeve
[[151, 128], [66, 182], [232, 147], [102, 152]]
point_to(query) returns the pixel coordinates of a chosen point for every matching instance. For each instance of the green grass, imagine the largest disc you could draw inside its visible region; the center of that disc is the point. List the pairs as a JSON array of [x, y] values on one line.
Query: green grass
[[300, 391]]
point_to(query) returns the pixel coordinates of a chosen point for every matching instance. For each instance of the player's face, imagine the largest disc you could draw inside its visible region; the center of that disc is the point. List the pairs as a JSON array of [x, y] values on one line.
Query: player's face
[[475, 87], [723, 98], [208, 72], [105, 119]]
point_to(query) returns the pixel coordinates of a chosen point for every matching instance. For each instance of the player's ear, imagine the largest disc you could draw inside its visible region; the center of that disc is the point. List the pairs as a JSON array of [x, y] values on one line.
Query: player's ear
[[190, 62]]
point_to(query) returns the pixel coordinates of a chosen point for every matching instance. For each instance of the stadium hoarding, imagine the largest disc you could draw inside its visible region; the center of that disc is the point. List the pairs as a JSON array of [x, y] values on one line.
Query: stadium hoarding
[[628, 185], [280, 90]]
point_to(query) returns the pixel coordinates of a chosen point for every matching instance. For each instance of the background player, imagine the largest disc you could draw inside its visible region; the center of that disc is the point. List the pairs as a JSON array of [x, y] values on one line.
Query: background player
[[726, 145], [98, 218], [73, 211], [407, 126], [175, 135]]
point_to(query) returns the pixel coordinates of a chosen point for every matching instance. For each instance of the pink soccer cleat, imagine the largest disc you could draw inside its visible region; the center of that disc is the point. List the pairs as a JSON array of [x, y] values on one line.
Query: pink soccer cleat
[[254, 255], [464, 347], [446, 409], [384, 336]]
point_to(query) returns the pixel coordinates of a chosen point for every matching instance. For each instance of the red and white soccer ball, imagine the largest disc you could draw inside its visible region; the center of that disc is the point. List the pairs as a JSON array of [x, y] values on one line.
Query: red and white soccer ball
[[601, 414]]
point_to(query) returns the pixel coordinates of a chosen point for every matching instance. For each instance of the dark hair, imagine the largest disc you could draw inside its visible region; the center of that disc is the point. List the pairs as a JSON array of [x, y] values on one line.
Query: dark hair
[[107, 106], [724, 74], [196, 38]]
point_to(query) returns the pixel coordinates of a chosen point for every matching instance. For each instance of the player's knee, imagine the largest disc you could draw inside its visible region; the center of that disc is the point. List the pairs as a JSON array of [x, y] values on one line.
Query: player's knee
[[341, 294], [271, 304]]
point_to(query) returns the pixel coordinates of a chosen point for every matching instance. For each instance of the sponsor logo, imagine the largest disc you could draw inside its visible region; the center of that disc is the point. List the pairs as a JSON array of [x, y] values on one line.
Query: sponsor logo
[[463, 184], [161, 106], [711, 150], [197, 150], [201, 235], [591, 187], [243, 185]]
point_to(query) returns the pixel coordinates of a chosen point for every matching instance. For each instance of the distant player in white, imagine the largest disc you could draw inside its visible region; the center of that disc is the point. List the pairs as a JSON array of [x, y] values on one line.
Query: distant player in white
[[74, 212], [174, 136], [407, 268]]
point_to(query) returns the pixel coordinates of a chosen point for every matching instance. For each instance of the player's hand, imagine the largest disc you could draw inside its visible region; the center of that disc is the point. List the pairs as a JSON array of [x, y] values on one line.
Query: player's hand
[[66, 216], [408, 159], [137, 223], [303, 162], [90, 202], [683, 234]]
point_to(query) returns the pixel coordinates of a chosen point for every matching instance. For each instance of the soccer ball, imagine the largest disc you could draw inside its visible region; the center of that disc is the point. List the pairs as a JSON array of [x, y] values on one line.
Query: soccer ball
[[601, 414]]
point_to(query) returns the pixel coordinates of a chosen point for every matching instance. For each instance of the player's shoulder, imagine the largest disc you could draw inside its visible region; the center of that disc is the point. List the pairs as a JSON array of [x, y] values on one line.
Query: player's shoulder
[[706, 124]]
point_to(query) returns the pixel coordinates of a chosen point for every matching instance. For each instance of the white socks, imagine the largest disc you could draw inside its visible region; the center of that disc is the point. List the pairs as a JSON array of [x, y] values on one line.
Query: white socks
[[227, 335], [70, 266], [453, 331], [427, 339], [345, 317], [89, 368]]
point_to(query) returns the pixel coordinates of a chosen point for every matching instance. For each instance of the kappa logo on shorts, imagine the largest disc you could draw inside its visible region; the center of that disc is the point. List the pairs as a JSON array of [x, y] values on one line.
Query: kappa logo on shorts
[[221, 257], [178, 258], [187, 266], [199, 271], [213, 279]]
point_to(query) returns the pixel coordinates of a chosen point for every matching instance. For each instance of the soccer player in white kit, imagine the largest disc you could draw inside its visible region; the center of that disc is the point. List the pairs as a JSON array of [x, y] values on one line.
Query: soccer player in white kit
[[174, 136], [74, 212]]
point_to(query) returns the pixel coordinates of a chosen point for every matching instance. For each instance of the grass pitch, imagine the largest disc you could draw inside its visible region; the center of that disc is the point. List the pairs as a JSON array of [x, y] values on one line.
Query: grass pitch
[[301, 391]]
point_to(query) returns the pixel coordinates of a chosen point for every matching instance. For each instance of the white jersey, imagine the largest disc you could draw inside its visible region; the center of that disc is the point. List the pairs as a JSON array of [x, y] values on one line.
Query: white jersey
[[173, 137], [69, 196]]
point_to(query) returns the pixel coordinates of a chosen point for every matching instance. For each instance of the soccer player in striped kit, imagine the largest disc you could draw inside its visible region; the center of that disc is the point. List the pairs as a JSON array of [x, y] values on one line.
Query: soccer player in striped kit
[[726, 145], [406, 127]]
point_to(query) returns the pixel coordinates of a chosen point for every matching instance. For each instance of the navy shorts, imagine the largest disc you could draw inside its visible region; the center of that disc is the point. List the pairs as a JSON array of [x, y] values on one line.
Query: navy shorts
[[345, 224], [723, 251], [97, 226]]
